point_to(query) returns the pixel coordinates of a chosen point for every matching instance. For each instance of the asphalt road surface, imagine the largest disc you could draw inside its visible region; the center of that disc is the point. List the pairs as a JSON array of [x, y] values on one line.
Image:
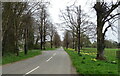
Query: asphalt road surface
[[50, 62]]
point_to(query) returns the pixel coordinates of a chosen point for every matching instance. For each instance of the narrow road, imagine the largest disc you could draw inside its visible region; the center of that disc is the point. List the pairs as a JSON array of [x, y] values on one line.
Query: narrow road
[[50, 62]]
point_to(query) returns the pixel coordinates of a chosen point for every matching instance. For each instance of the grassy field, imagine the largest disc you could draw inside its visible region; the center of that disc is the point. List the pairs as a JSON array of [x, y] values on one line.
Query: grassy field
[[87, 65], [10, 58]]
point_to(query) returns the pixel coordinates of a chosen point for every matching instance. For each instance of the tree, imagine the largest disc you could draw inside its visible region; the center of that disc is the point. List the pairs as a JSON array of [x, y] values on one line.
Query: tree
[[41, 28], [41, 16], [76, 20], [30, 34], [79, 23], [17, 26], [12, 14], [56, 40], [67, 39], [51, 32], [73, 38], [0, 29], [43, 25], [27, 22], [46, 24], [104, 15], [85, 42]]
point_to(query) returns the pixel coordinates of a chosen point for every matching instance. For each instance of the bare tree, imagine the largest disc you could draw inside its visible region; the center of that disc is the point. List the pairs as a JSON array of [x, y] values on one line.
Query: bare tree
[[27, 17], [104, 12], [56, 40], [67, 39], [51, 32], [76, 20], [79, 23], [0, 30], [44, 28]]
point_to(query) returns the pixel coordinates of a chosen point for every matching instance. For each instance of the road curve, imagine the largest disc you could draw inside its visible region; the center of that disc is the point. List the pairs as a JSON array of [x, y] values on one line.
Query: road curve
[[50, 62]]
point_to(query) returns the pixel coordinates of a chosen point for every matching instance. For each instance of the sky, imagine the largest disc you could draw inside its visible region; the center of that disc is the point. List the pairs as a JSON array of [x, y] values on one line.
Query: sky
[[57, 5]]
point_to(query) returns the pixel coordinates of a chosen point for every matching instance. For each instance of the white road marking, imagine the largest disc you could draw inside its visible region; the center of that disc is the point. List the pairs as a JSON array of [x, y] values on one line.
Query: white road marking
[[39, 66], [49, 59], [32, 70]]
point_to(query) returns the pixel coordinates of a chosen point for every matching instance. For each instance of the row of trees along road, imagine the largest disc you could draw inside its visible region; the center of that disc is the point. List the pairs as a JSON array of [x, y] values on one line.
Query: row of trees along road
[[68, 38], [26, 25], [85, 42], [78, 24]]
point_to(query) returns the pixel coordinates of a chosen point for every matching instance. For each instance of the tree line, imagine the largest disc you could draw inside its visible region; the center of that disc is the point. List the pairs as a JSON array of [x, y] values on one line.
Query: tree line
[[27, 26], [79, 25], [85, 42]]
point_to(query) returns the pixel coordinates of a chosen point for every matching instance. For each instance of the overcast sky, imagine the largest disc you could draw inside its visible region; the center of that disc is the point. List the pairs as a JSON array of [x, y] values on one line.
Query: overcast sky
[[57, 5]]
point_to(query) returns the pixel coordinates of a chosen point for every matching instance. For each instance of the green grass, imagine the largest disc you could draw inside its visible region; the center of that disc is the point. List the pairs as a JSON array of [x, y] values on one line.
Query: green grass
[[89, 66], [10, 58]]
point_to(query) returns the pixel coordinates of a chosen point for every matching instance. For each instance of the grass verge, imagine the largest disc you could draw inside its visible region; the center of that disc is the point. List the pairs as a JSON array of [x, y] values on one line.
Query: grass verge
[[10, 58], [87, 65]]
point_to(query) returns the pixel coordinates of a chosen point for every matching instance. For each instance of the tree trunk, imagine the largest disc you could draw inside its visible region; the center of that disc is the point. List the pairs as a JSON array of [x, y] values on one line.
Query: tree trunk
[[100, 40], [67, 45], [25, 45], [73, 44], [41, 30], [25, 49], [79, 23], [100, 48], [41, 41], [79, 42], [100, 35], [16, 38], [17, 50], [51, 42], [44, 43], [76, 44], [44, 37], [73, 39]]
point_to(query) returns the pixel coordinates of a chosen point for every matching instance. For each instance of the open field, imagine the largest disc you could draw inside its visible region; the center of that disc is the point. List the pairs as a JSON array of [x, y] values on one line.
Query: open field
[[88, 65]]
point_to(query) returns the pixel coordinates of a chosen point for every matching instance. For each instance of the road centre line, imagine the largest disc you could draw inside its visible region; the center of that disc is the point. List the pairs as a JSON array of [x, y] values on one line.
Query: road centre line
[[39, 66], [50, 57], [32, 70]]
